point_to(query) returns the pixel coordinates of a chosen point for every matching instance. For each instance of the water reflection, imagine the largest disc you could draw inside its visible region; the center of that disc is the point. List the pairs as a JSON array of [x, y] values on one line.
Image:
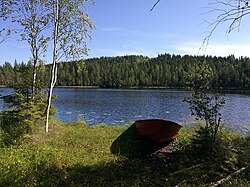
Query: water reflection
[[118, 107]]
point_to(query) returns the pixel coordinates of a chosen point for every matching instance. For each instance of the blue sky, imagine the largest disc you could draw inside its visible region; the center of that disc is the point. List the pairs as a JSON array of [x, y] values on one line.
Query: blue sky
[[125, 27]]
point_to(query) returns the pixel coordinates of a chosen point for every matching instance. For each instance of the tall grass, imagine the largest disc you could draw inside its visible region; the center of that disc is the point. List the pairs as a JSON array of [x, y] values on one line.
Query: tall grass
[[79, 155]]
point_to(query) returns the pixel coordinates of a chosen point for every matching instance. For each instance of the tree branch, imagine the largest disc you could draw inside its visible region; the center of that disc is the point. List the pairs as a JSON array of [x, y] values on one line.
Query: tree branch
[[229, 11], [155, 5], [228, 177]]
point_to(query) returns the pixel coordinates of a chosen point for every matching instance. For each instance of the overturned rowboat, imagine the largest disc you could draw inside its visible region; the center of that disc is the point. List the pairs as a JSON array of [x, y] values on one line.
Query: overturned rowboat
[[158, 130], [145, 137]]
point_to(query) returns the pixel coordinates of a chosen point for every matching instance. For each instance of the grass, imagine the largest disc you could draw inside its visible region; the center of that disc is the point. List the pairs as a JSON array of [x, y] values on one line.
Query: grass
[[79, 155]]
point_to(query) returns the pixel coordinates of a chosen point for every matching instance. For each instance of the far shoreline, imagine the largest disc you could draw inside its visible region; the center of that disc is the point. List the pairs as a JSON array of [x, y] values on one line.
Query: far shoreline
[[223, 90]]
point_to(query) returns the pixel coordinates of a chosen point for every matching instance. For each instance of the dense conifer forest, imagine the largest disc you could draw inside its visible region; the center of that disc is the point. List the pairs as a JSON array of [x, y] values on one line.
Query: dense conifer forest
[[136, 71]]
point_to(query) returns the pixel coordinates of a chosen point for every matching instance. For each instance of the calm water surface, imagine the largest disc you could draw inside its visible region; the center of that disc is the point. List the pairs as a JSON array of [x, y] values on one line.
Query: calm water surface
[[116, 106], [119, 106]]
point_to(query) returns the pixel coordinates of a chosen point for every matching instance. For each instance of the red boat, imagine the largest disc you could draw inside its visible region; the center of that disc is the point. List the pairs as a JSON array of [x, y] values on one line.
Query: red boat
[[157, 130]]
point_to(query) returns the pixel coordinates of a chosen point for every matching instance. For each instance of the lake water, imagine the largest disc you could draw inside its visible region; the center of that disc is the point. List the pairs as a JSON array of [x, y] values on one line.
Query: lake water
[[120, 106]]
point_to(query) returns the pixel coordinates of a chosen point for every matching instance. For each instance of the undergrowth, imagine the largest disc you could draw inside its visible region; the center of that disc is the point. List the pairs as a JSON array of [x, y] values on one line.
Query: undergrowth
[[79, 155]]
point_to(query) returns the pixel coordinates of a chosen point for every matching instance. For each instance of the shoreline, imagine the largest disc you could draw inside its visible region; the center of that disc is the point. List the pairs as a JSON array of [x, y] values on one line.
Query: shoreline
[[220, 89]]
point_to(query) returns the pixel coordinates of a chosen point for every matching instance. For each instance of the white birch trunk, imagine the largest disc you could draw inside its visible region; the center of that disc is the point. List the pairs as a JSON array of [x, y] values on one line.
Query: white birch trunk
[[54, 67], [34, 54]]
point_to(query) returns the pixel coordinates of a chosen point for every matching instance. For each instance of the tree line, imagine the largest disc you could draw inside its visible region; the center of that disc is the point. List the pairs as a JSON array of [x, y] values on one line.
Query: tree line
[[138, 71]]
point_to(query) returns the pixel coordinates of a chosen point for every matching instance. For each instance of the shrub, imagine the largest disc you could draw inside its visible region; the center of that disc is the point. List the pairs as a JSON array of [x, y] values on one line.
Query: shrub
[[11, 130], [206, 108]]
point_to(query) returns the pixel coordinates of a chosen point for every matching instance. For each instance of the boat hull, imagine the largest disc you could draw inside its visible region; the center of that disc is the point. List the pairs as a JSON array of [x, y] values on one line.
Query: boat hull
[[158, 130]]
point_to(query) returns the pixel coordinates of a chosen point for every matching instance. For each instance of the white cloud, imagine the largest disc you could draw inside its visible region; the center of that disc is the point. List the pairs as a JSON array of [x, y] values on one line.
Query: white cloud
[[194, 48], [119, 30], [225, 50], [139, 33], [122, 52]]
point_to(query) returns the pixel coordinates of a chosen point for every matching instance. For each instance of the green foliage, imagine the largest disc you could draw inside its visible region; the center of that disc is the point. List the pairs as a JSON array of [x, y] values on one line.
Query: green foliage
[[200, 79], [183, 140], [73, 27], [219, 150], [206, 108], [11, 129], [29, 167], [79, 155], [138, 71], [26, 109], [244, 150], [163, 71], [23, 116]]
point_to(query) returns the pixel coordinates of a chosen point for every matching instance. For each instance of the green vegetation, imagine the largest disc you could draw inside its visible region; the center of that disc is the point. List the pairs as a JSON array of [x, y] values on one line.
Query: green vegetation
[[79, 155], [28, 103], [206, 108], [38, 23], [137, 71]]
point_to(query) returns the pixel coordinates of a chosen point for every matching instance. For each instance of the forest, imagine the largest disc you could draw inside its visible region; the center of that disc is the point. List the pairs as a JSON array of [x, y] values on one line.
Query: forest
[[133, 71]]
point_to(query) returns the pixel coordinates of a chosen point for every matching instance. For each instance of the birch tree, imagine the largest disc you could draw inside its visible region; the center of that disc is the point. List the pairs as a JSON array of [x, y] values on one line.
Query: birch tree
[[5, 10], [30, 20], [70, 26]]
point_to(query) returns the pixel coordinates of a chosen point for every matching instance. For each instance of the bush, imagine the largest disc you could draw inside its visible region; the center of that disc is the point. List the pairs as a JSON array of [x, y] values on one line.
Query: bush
[[28, 167], [12, 131], [222, 149], [205, 107]]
